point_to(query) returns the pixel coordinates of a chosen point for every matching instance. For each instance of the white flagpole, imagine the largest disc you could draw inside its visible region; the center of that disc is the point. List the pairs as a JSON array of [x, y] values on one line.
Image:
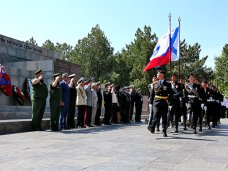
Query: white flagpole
[[179, 20], [170, 51]]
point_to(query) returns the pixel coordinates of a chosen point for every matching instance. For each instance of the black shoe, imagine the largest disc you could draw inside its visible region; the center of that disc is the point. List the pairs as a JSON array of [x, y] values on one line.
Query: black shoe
[[158, 129], [176, 131], [152, 130], [149, 128], [185, 129], [194, 132], [41, 129], [164, 133], [209, 128], [200, 130]]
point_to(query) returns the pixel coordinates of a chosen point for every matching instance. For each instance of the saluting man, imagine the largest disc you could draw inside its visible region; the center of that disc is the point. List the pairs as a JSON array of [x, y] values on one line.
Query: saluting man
[[39, 95], [55, 101], [159, 95]]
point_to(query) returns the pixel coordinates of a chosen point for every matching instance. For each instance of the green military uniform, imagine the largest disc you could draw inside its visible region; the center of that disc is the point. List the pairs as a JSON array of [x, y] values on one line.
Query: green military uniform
[[39, 95], [55, 97]]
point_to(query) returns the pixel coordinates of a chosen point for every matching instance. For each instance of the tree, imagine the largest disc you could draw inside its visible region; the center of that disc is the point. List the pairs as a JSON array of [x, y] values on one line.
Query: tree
[[190, 62], [64, 48], [221, 70], [48, 44], [137, 55], [94, 53], [32, 41]]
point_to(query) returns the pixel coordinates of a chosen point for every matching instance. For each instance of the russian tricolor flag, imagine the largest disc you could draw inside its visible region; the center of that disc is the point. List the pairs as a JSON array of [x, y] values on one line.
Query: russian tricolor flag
[[161, 53]]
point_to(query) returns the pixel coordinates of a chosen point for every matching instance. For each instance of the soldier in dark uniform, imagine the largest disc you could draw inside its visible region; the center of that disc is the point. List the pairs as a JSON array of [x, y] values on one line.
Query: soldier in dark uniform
[[183, 106], [175, 102], [193, 92], [107, 103], [207, 102], [98, 113], [160, 94], [72, 104], [55, 101], [138, 105], [39, 95]]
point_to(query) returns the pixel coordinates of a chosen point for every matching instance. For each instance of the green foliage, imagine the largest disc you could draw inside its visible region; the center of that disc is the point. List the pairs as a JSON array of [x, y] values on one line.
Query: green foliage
[[94, 53], [221, 70], [32, 41], [190, 62], [64, 48]]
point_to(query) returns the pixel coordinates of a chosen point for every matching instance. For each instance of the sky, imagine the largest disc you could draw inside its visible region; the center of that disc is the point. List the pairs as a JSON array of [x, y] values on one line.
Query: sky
[[202, 21]]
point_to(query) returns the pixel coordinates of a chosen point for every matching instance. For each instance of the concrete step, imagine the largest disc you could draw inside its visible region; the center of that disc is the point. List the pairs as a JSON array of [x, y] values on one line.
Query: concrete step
[[20, 125], [19, 115]]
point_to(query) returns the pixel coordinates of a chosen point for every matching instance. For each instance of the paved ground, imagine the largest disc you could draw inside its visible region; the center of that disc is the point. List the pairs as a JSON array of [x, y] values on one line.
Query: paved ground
[[119, 147]]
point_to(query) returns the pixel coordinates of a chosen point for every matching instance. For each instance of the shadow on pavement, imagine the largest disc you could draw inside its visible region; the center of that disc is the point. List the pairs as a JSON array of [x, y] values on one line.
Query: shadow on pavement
[[103, 128]]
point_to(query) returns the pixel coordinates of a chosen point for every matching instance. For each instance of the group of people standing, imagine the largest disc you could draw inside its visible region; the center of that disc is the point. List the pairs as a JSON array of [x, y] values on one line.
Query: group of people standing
[[193, 101], [67, 95]]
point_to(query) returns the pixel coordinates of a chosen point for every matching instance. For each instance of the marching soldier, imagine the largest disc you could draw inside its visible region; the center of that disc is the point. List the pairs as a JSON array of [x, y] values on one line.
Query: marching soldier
[[183, 106], [39, 95], [175, 102], [55, 101], [160, 94], [207, 102], [193, 99]]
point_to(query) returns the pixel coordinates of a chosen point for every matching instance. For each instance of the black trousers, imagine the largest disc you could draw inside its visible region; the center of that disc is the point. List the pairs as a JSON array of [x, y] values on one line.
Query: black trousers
[[81, 114], [114, 113], [184, 112], [107, 114], [174, 113], [195, 109], [209, 113], [71, 115], [138, 112], [97, 116], [88, 115], [160, 109]]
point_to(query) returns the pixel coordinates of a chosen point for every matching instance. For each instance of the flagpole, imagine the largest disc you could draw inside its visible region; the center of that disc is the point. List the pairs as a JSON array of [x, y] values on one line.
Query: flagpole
[[179, 20], [170, 50]]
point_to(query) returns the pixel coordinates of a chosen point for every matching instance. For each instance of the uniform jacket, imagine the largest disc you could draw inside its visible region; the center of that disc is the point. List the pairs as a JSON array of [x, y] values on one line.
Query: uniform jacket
[[81, 96]]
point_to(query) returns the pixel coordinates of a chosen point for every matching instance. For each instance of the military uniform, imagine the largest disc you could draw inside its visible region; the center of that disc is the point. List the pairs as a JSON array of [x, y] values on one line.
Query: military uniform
[[138, 106], [39, 95], [194, 103], [55, 98], [175, 104], [108, 106], [160, 93]]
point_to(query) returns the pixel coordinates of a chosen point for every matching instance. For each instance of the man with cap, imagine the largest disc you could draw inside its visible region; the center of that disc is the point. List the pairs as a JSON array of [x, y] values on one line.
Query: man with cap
[[194, 100], [65, 101], [159, 96], [99, 96], [107, 103], [72, 105], [89, 103], [39, 95], [81, 102], [174, 113], [55, 101]]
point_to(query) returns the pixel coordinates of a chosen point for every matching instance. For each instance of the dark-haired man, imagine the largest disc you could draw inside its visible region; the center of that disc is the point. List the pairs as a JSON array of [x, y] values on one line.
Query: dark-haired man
[[160, 94]]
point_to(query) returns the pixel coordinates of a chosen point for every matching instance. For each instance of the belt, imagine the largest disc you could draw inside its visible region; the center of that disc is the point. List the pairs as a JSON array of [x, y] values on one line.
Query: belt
[[191, 96], [210, 100], [161, 97]]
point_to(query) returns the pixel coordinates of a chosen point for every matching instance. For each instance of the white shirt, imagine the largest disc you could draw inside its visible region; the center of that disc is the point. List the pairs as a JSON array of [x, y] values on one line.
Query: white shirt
[[114, 98]]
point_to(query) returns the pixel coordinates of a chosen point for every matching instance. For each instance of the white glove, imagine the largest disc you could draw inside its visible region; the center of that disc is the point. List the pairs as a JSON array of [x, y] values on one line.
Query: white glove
[[205, 108], [202, 105]]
